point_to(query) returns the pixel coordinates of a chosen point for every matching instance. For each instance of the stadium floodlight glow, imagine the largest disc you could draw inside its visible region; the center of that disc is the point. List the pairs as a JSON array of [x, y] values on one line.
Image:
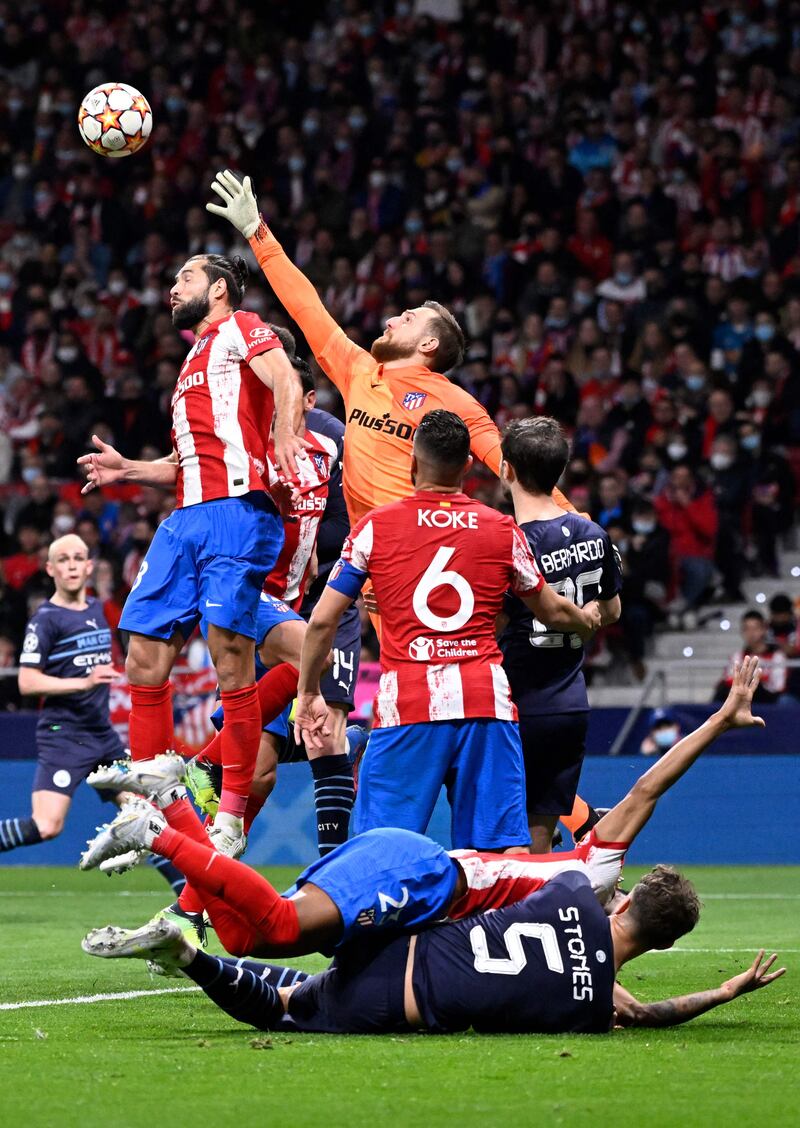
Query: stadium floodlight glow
[[688, 651], [725, 624], [761, 597]]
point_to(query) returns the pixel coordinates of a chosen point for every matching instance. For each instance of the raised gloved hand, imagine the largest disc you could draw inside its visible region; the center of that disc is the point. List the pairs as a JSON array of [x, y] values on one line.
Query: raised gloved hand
[[239, 205]]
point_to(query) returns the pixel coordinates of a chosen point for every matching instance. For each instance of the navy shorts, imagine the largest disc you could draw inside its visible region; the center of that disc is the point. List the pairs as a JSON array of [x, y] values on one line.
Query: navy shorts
[[553, 747], [384, 879], [361, 993], [67, 756], [478, 761], [189, 574], [338, 684]]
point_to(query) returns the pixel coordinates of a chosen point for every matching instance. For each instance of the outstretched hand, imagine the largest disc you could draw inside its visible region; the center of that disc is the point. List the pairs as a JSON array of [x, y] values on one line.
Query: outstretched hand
[[757, 976], [311, 721], [736, 710], [239, 204], [102, 469]]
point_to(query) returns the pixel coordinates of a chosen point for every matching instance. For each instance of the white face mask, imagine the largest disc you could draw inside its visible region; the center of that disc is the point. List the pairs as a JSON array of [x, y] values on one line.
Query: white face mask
[[665, 738], [677, 451], [720, 461], [63, 523]]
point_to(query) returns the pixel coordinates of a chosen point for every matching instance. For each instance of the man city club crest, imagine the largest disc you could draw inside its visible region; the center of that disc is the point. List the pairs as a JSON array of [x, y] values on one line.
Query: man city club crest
[[413, 400]]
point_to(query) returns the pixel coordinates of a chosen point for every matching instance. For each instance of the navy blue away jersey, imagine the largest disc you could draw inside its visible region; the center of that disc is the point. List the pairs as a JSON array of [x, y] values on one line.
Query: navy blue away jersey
[[545, 668], [335, 523], [544, 965], [66, 644]]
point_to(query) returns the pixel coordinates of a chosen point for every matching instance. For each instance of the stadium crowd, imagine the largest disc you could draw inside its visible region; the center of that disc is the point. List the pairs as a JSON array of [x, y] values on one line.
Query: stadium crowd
[[607, 196]]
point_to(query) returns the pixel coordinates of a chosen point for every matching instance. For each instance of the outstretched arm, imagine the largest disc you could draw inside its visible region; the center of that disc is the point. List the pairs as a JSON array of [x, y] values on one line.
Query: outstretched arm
[[672, 1012], [311, 713], [329, 344], [109, 466], [623, 822]]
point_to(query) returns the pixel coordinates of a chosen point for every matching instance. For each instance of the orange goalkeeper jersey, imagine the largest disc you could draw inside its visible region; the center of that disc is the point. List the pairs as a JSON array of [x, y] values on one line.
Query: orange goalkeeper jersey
[[382, 407]]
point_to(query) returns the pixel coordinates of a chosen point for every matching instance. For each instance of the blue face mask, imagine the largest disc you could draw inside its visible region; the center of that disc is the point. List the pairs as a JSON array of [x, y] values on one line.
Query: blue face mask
[[623, 278], [695, 383], [750, 442], [665, 738], [764, 332]]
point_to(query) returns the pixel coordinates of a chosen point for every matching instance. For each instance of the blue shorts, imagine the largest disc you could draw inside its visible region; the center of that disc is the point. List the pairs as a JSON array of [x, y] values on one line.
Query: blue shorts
[[190, 574], [384, 879], [67, 756], [480, 764]]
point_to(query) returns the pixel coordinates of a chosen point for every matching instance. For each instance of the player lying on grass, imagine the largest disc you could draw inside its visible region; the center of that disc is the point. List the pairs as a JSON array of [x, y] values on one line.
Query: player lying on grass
[[545, 965], [388, 878]]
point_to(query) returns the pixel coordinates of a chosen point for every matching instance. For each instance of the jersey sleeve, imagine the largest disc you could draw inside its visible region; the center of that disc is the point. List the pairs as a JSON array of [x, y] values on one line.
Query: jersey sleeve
[[611, 578], [247, 336], [484, 438], [525, 574], [37, 644], [603, 864], [350, 572], [336, 354]]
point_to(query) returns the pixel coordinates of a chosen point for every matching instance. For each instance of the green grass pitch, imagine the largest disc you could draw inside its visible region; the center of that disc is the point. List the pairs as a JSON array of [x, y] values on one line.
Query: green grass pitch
[[175, 1059]]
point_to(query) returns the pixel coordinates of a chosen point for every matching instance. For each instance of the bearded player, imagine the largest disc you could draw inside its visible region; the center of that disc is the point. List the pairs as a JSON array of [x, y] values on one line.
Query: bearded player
[[208, 560], [386, 390]]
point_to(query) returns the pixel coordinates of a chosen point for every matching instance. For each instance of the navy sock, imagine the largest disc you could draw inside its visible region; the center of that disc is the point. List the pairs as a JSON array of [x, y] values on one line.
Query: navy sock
[[170, 872], [333, 800], [277, 974], [18, 832], [238, 991]]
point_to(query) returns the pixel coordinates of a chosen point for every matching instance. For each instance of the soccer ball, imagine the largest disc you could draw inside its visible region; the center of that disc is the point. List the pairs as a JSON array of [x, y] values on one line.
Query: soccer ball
[[115, 119]]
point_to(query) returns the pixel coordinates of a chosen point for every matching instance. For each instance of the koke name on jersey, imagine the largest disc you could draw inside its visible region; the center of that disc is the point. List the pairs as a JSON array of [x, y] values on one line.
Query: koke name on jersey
[[446, 519]]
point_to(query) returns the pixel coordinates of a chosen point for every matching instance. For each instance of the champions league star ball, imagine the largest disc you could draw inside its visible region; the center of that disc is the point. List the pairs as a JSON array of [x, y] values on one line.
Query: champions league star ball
[[115, 119]]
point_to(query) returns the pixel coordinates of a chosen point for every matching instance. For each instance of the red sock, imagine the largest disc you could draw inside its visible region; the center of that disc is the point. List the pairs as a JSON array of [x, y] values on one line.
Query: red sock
[[150, 727], [234, 933], [182, 816], [276, 690], [191, 900], [241, 888], [240, 738], [254, 805]]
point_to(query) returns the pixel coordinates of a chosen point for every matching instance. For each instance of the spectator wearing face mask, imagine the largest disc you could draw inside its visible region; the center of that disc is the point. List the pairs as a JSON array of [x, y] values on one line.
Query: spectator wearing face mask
[[772, 660], [664, 733], [647, 572], [688, 512], [784, 631], [730, 481], [773, 495]]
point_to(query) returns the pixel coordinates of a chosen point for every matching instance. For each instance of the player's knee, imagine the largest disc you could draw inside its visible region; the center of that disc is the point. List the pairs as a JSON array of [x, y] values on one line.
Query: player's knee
[[49, 826]]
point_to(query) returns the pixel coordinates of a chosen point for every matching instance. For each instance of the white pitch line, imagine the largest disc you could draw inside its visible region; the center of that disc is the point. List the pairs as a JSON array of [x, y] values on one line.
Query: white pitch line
[[82, 999], [715, 951], [77, 893], [750, 896]]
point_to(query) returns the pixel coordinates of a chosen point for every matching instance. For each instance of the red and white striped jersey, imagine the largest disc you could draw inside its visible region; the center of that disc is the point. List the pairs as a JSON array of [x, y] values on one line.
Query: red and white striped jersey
[[773, 668], [221, 411], [440, 565], [495, 880], [287, 580]]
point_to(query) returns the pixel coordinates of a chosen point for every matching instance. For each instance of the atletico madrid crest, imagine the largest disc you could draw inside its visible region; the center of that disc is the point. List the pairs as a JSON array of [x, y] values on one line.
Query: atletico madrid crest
[[412, 400]]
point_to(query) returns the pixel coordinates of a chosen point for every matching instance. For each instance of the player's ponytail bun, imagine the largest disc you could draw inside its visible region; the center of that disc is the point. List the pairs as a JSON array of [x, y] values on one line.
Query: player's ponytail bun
[[233, 269]]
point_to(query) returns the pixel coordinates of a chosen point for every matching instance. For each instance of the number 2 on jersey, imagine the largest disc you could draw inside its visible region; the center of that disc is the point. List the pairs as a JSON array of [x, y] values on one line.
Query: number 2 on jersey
[[517, 959], [575, 592]]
